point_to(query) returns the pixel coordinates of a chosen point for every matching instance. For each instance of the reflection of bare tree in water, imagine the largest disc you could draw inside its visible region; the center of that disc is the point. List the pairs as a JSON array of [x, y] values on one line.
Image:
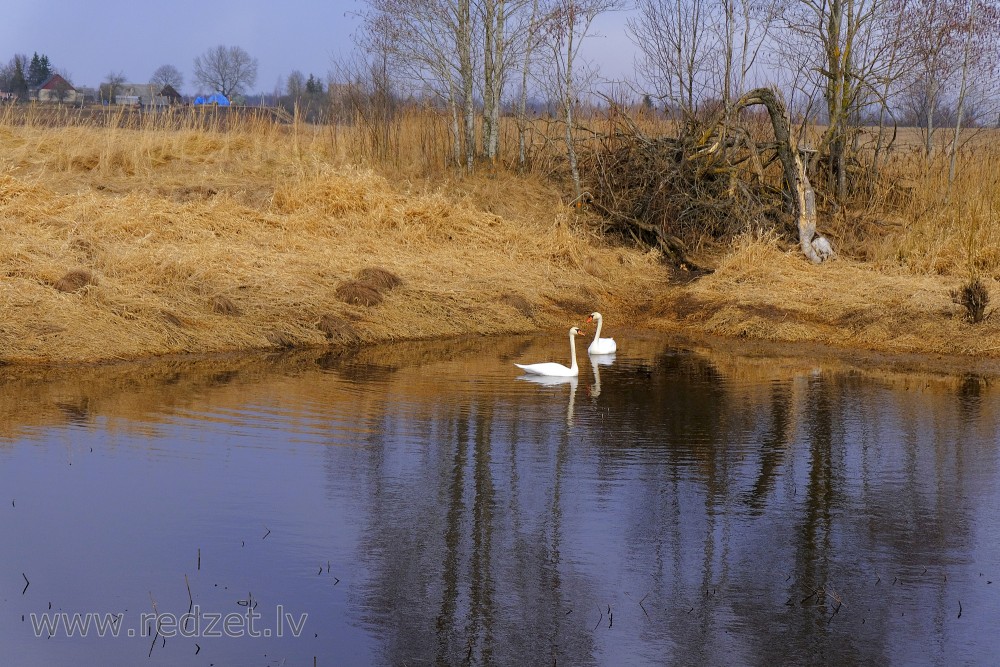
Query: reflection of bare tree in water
[[464, 570], [746, 515]]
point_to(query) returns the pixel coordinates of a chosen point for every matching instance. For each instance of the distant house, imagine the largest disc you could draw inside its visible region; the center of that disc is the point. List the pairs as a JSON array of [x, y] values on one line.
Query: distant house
[[54, 89], [171, 95], [146, 95]]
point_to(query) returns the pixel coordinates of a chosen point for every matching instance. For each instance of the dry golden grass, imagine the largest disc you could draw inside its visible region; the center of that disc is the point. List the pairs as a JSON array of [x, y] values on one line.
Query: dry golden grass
[[379, 278], [358, 294], [74, 280], [195, 239], [764, 291], [201, 241]]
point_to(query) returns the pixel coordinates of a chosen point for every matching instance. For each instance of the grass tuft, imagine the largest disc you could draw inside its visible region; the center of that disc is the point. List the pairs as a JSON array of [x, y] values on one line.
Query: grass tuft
[[974, 296], [379, 278], [358, 294], [338, 330], [74, 280]]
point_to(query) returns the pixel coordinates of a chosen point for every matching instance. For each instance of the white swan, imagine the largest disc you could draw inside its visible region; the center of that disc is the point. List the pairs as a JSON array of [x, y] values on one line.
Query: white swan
[[600, 345], [551, 367]]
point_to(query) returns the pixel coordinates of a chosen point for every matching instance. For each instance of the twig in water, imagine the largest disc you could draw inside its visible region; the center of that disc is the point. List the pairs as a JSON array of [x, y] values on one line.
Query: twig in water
[[26, 583], [157, 634], [199, 558], [836, 609], [320, 570], [188, 618], [643, 608], [266, 534], [197, 648], [599, 619], [960, 609], [336, 581]]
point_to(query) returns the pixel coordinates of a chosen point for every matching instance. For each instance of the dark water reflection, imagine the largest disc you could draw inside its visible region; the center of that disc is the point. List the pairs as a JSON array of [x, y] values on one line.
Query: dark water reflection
[[421, 504]]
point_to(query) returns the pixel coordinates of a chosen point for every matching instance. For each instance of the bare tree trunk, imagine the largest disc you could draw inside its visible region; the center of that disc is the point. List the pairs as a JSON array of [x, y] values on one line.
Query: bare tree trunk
[[490, 63], [801, 190], [529, 46], [464, 35], [961, 93], [568, 108], [494, 41]]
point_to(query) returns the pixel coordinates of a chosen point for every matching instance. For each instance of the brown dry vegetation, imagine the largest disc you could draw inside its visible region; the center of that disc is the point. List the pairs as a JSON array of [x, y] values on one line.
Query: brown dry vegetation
[[200, 239]]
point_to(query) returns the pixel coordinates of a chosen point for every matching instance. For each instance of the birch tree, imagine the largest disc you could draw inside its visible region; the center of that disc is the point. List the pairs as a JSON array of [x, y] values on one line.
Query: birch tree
[[429, 44], [568, 24], [844, 48]]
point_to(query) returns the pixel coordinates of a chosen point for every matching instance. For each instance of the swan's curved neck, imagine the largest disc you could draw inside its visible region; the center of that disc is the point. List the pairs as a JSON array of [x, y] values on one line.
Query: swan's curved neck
[[572, 351], [597, 334]]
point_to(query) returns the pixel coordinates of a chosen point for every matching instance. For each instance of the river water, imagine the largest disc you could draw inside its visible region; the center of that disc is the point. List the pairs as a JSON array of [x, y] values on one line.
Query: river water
[[425, 504]]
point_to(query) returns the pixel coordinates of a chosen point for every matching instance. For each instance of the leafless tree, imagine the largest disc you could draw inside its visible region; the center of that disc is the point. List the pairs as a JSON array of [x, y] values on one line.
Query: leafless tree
[[510, 35], [531, 39], [429, 45], [167, 75], [843, 49], [979, 33], [695, 50], [295, 86], [673, 41], [112, 82], [226, 69], [567, 26]]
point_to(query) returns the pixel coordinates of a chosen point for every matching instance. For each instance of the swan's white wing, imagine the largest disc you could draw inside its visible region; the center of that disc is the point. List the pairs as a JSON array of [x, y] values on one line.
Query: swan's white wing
[[603, 346]]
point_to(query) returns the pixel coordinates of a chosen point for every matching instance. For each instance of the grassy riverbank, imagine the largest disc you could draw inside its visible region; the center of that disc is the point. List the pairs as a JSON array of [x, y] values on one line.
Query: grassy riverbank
[[126, 243]]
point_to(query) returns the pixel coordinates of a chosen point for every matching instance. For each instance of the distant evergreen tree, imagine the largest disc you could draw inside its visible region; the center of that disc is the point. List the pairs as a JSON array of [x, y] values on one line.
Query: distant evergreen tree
[[314, 86], [39, 69]]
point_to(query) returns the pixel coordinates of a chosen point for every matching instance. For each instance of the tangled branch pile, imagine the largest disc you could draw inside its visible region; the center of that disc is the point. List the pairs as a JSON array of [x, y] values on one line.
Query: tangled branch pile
[[712, 181]]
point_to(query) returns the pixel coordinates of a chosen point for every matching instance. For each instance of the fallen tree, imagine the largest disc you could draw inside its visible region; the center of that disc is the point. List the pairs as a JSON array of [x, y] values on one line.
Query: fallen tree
[[713, 179]]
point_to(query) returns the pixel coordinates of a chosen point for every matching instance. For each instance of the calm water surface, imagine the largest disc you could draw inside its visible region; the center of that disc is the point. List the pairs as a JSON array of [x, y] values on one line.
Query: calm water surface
[[423, 504]]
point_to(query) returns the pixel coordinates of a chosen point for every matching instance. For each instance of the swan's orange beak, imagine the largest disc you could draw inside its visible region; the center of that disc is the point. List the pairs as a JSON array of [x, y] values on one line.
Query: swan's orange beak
[[579, 332], [590, 318]]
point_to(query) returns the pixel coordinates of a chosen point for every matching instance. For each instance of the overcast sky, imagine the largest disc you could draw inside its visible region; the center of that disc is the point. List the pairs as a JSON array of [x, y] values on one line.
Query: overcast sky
[[92, 38]]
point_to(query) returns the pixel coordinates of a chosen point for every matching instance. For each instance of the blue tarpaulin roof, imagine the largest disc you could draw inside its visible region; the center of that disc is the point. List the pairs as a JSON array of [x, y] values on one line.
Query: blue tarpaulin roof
[[214, 98]]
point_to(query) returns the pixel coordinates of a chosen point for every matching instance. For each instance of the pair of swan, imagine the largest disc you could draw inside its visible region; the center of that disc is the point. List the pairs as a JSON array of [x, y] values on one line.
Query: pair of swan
[[598, 346]]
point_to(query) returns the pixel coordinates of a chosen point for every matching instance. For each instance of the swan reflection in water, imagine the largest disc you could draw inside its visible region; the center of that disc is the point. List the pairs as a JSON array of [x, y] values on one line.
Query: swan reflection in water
[[550, 380], [596, 361]]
